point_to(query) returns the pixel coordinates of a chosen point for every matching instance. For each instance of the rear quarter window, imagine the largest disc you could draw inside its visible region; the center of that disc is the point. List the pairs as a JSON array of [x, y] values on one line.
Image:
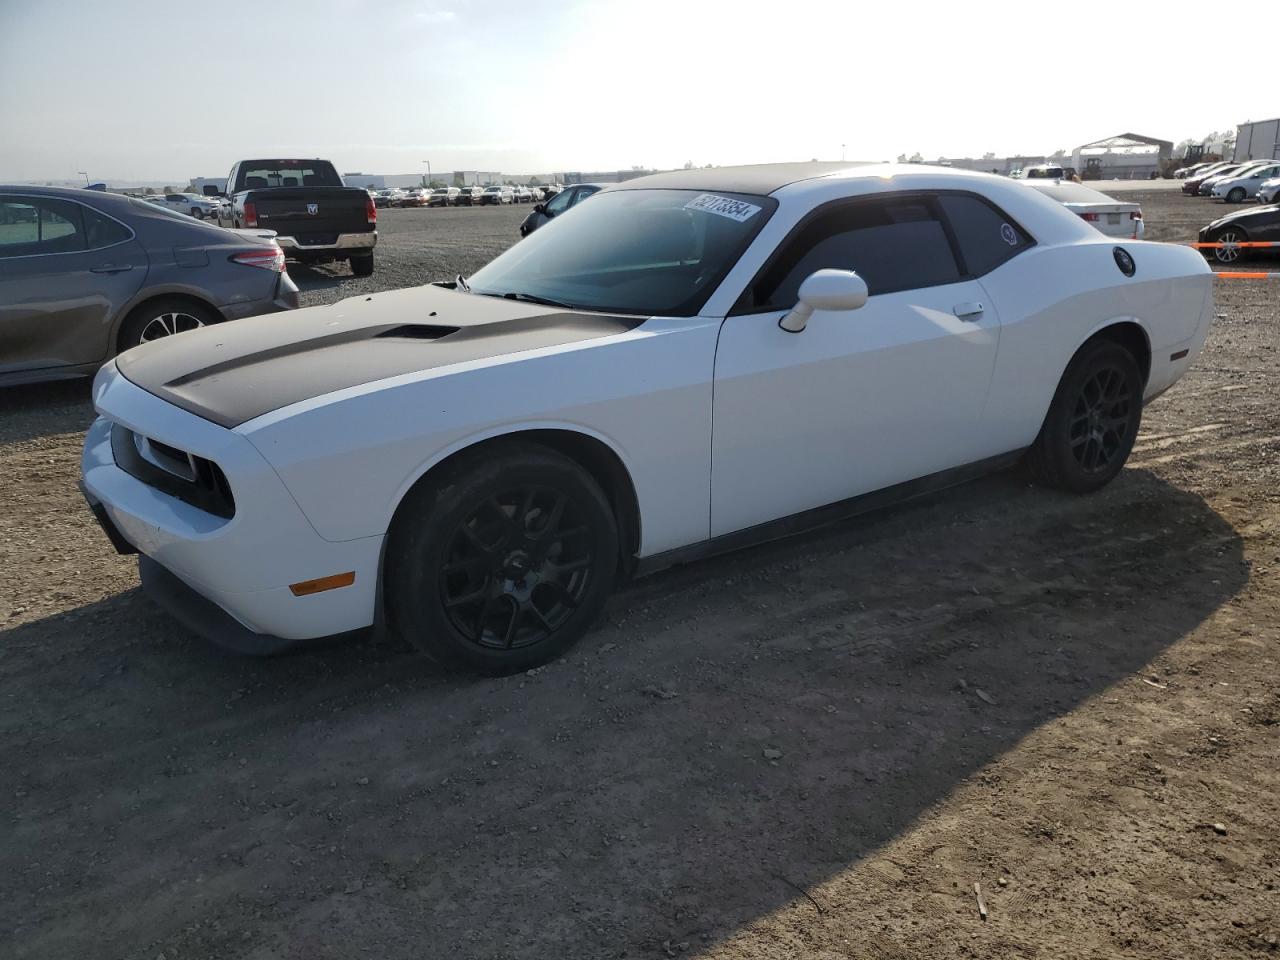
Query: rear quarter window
[[987, 237]]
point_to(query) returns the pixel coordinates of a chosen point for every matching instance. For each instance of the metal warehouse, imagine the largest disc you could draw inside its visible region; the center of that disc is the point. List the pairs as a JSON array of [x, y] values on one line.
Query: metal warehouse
[[1257, 141], [1127, 156]]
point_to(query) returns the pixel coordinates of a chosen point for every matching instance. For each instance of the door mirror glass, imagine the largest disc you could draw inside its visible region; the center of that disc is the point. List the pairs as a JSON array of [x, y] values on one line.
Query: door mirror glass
[[825, 290], [539, 208]]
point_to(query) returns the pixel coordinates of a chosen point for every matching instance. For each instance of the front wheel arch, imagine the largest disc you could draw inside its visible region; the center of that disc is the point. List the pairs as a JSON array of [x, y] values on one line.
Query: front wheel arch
[[594, 455]]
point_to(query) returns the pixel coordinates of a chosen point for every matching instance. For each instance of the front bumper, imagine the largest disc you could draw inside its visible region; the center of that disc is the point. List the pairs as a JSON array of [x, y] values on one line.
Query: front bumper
[[242, 565]]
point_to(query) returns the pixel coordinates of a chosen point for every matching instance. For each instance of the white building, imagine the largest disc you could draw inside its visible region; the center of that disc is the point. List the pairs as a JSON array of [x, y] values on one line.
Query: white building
[[1257, 141], [197, 184]]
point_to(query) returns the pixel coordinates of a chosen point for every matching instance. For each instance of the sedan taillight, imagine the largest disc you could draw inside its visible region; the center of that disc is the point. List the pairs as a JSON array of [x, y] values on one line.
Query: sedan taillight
[[266, 259], [1091, 217], [370, 210]]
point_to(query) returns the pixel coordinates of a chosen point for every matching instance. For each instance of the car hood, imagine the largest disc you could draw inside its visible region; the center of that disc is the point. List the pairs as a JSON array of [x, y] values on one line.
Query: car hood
[[234, 372], [1265, 214]]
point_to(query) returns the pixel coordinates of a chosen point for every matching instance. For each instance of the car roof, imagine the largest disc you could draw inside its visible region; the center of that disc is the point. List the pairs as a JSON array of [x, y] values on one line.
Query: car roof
[[769, 178], [100, 198]]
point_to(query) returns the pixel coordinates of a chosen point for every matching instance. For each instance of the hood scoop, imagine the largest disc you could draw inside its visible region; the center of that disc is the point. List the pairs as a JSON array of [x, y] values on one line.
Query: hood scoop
[[418, 331]]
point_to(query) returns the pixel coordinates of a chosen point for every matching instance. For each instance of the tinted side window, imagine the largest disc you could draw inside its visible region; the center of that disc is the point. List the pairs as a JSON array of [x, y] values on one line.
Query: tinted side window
[[987, 238], [102, 231], [31, 226], [560, 202], [892, 244]]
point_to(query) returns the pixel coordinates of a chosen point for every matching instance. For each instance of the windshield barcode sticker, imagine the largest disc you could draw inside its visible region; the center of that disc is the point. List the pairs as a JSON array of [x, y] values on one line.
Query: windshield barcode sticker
[[723, 207]]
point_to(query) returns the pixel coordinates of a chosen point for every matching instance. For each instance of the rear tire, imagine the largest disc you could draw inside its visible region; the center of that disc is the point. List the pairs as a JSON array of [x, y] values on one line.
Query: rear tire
[[1229, 235], [1092, 422], [163, 318], [362, 266], [503, 562]]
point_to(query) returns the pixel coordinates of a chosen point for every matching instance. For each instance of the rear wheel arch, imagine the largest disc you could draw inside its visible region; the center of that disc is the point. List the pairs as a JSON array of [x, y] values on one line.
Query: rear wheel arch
[[151, 300], [1129, 334]]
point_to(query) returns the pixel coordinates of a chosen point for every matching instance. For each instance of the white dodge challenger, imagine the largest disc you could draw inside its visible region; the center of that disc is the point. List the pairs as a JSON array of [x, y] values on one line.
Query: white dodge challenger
[[690, 362]]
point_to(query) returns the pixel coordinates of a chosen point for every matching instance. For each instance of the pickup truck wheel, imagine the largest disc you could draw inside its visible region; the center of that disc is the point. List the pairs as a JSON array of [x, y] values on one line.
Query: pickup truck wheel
[[502, 563], [163, 318], [1092, 422], [362, 266]]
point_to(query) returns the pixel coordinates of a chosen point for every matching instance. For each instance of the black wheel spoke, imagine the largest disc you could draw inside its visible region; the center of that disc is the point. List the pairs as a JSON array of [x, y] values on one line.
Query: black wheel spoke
[[508, 637], [518, 567]]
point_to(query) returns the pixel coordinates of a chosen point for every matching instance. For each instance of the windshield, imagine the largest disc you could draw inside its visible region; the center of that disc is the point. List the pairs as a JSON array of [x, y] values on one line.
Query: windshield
[[649, 252], [256, 174]]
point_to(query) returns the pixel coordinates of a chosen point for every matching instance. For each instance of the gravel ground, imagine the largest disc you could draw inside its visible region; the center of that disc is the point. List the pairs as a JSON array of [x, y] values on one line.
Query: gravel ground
[[814, 748]]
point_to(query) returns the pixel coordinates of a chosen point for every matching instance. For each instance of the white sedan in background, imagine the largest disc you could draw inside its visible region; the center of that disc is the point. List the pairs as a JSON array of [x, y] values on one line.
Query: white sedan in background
[[1109, 216], [474, 465], [192, 204], [1269, 191], [1243, 186]]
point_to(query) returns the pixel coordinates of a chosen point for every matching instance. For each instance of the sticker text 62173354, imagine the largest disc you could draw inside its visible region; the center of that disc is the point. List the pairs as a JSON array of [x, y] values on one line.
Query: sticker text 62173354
[[738, 210]]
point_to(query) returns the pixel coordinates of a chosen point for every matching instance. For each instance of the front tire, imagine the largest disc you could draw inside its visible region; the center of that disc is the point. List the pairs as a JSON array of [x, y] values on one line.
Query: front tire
[[1092, 422], [504, 562], [362, 266], [1235, 195]]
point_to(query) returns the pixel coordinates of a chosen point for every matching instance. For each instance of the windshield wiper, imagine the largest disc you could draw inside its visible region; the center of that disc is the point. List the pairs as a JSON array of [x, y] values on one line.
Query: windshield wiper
[[532, 298]]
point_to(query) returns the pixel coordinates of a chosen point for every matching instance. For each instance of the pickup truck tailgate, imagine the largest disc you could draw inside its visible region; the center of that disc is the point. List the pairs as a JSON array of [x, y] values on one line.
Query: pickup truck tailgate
[[311, 214]]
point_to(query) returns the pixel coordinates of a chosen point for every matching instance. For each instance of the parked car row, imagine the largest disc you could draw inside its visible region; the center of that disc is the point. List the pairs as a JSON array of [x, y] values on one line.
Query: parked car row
[[463, 196], [1235, 182]]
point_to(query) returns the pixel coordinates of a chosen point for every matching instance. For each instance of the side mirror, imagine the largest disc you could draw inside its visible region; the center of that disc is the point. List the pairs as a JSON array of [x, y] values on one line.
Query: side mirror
[[825, 290], [539, 208]]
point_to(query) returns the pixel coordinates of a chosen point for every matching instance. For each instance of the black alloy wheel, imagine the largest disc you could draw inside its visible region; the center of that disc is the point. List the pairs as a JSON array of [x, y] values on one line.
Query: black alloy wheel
[[501, 560], [1092, 422], [1101, 418], [517, 568]]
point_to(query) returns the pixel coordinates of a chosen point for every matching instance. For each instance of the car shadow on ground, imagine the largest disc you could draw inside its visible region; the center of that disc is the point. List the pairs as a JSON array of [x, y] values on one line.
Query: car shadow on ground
[[319, 276], [44, 409], [731, 733]]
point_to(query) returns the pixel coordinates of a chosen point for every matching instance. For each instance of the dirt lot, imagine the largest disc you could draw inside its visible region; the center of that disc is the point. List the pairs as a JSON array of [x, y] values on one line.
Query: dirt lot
[[810, 749]]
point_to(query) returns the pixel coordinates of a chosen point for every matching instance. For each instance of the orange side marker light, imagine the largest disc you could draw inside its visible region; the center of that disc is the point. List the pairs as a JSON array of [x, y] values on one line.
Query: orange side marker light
[[321, 584]]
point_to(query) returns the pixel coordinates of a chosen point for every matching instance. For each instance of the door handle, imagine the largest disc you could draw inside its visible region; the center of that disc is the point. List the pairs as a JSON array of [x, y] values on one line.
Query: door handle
[[968, 312], [111, 268]]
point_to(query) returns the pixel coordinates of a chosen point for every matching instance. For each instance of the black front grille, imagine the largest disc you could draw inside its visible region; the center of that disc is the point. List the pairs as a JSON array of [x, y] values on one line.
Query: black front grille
[[193, 480]]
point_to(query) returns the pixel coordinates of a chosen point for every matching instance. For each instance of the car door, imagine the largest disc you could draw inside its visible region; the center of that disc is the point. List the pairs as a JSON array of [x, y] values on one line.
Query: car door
[[65, 271], [859, 400]]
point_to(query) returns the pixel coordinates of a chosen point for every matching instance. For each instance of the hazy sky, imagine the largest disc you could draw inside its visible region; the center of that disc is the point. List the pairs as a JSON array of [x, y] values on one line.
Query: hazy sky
[[170, 89]]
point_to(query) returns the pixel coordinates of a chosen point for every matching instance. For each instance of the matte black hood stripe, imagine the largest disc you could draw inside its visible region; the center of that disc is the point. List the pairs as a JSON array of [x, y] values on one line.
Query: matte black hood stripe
[[234, 372]]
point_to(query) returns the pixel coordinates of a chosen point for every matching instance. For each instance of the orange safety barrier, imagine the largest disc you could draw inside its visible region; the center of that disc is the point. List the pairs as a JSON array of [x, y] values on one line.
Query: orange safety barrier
[[1244, 244], [1246, 275]]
